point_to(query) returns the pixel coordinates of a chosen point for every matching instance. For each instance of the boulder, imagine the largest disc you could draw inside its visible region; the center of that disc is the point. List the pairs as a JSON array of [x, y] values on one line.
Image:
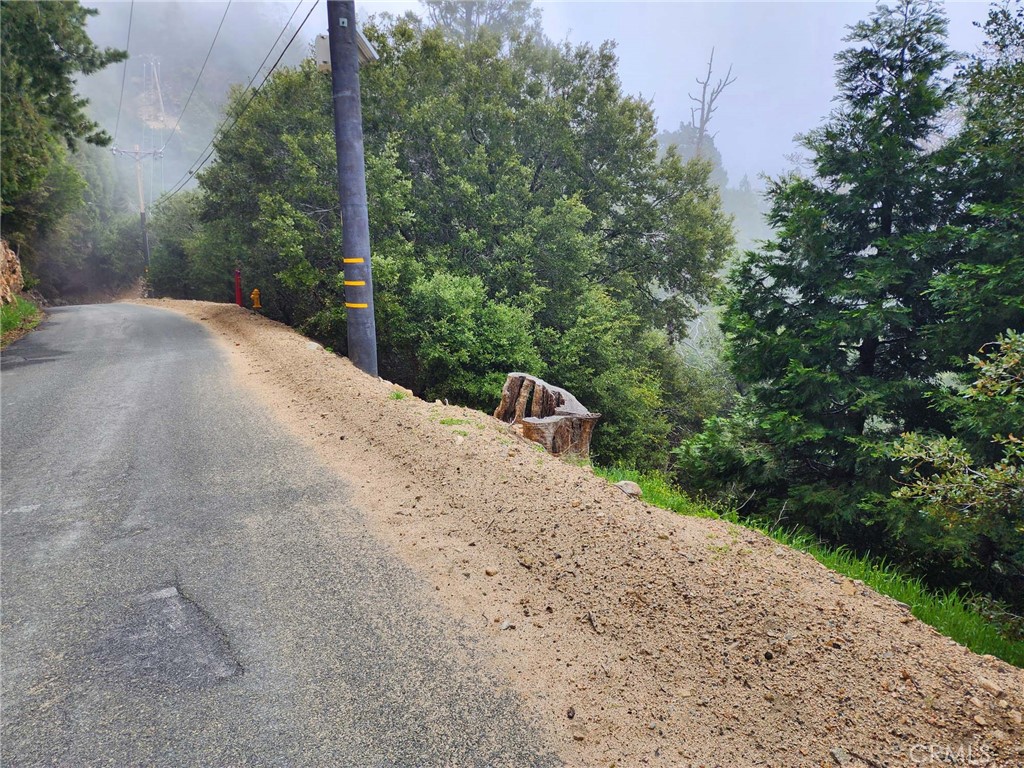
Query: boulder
[[629, 488], [549, 415]]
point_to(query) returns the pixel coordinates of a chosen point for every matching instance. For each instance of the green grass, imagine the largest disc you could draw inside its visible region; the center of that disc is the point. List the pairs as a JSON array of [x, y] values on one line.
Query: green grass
[[949, 613], [454, 422], [21, 315], [396, 395]]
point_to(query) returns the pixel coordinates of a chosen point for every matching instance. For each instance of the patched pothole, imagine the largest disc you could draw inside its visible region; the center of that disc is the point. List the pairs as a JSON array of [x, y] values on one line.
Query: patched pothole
[[165, 637]]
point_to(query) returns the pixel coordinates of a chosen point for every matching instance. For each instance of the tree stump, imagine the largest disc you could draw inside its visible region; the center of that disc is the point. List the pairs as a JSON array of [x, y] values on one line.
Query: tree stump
[[556, 420]]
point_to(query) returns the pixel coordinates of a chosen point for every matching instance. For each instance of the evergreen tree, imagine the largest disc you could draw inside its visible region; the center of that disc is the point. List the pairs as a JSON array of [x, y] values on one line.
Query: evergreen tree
[[44, 46], [983, 294], [827, 323], [961, 503]]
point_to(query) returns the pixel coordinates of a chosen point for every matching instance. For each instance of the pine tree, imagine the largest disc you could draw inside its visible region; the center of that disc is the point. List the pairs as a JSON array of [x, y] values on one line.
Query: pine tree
[[44, 46], [827, 322]]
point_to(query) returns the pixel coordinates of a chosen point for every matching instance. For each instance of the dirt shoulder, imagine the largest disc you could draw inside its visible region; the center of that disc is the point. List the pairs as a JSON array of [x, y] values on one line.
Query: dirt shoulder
[[639, 636]]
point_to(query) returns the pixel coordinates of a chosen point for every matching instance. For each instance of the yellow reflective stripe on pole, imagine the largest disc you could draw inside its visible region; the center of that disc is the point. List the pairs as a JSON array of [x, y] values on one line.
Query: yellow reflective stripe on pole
[[355, 306], [355, 282]]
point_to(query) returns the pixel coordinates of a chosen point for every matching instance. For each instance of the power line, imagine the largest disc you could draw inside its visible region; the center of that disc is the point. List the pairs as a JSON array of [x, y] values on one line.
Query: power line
[[180, 184], [188, 173], [198, 77], [124, 72]]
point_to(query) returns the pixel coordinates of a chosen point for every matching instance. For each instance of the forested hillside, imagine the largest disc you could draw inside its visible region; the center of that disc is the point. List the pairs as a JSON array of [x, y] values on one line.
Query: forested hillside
[[866, 383], [526, 214], [57, 186], [70, 206], [521, 219], [873, 337]]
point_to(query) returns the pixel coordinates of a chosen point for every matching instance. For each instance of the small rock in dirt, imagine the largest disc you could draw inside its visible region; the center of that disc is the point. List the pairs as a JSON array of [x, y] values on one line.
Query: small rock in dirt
[[491, 571], [991, 687], [980, 720], [1014, 717], [507, 625], [629, 488], [571, 713], [840, 756], [579, 733], [780, 552], [312, 345]]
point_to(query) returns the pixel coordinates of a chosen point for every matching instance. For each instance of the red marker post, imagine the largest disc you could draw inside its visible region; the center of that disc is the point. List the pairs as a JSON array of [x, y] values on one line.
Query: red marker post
[[238, 287]]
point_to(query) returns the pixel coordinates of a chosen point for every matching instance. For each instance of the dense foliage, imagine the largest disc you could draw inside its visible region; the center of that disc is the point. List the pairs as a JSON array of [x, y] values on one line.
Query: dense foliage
[[520, 215], [60, 196], [971, 485], [44, 46], [896, 256]]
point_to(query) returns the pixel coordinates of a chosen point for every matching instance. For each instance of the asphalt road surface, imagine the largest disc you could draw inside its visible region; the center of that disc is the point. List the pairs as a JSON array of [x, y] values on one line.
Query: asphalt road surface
[[183, 584]]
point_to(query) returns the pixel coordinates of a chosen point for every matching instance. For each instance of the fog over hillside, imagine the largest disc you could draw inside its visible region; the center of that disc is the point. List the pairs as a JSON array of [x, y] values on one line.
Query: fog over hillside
[[779, 53], [169, 43]]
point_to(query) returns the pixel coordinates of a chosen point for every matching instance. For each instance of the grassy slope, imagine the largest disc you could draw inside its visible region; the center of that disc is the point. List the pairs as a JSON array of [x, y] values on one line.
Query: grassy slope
[[948, 613], [17, 319]]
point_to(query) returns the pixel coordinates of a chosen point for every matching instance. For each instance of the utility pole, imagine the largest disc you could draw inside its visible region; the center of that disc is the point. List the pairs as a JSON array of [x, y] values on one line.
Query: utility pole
[[355, 222], [137, 155]]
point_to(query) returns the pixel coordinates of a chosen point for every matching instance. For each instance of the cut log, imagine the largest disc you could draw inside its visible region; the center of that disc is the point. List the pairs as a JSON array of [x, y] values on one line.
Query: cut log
[[556, 420]]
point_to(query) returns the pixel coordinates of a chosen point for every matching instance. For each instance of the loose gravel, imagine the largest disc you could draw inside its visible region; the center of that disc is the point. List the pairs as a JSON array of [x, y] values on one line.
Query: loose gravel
[[639, 636]]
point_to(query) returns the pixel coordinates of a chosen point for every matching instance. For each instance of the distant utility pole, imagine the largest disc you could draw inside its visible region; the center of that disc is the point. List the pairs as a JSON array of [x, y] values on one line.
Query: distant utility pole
[[355, 222], [138, 154]]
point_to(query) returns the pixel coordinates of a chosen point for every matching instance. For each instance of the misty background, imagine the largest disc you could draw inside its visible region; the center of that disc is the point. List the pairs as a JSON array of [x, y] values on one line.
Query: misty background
[[781, 55], [523, 220]]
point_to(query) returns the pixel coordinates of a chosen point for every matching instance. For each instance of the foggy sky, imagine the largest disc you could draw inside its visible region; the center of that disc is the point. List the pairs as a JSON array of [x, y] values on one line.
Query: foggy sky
[[781, 53], [782, 57]]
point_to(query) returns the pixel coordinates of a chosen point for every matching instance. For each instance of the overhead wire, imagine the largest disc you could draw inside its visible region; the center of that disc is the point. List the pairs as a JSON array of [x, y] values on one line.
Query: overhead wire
[[188, 173], [201, 161], [124, 72], [198, 77]]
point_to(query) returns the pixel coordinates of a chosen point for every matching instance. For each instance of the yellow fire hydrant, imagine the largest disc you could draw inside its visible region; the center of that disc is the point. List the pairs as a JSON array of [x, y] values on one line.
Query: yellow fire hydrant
[[255, 296]]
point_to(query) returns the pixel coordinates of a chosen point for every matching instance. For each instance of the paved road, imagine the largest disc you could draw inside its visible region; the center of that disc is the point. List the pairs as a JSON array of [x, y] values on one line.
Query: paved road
[[183, 584]]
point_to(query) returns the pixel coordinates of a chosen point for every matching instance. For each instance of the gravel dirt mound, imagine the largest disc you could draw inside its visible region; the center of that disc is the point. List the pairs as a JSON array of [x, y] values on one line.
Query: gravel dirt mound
[[639, 636]]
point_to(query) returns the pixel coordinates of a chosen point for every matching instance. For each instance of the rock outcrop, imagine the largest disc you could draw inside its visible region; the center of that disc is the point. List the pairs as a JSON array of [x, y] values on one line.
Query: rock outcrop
[[549, 415], [11, 280]]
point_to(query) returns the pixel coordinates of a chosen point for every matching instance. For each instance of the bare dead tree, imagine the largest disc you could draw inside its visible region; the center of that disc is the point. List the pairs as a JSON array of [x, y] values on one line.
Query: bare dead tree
[[700, 115]]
